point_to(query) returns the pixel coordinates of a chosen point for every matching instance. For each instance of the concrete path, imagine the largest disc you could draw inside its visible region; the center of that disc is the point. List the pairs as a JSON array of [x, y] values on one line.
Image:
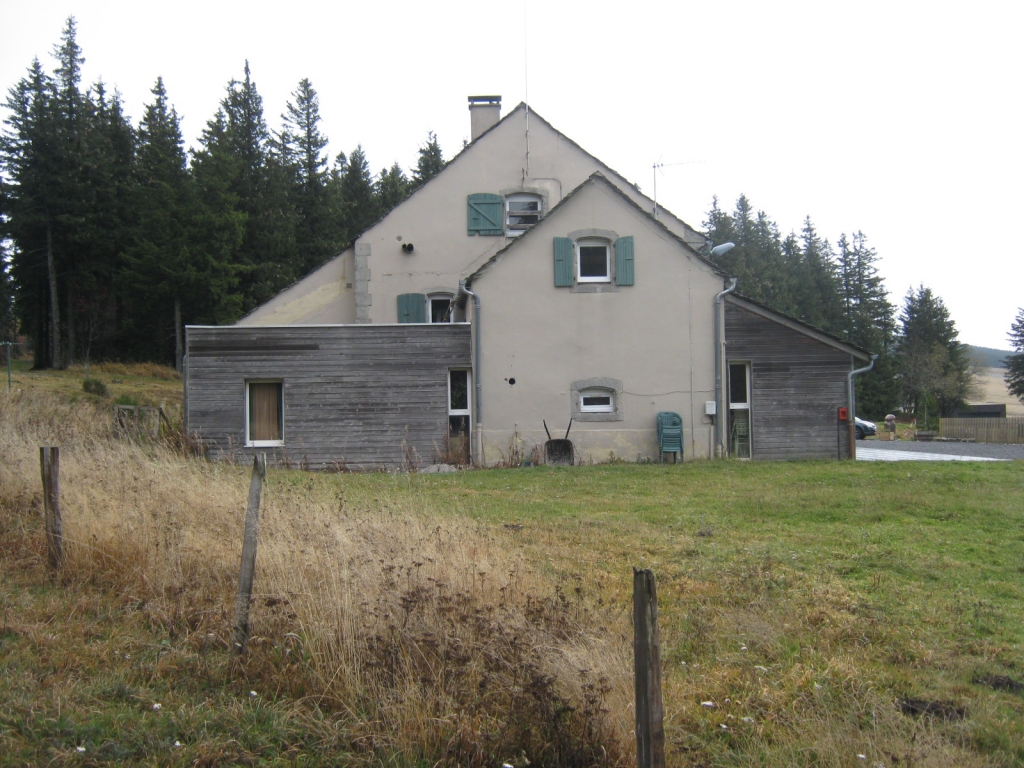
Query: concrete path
[[951, 451], [882, 454]]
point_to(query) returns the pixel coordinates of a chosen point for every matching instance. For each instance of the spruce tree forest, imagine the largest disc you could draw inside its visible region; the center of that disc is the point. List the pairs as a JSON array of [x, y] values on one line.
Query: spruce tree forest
[[114, 236]]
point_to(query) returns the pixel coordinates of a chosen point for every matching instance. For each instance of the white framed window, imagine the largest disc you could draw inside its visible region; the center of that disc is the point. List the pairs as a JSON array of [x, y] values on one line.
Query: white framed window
[[597, 400], [439, 308], [264, 413], [593, 261], [522, 211]]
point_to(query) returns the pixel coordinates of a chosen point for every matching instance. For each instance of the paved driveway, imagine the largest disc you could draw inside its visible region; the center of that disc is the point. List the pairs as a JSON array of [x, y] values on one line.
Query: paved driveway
[[877, 450]]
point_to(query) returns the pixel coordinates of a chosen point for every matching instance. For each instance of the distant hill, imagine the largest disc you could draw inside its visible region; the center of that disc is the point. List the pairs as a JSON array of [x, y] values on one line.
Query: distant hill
[[986, 357]]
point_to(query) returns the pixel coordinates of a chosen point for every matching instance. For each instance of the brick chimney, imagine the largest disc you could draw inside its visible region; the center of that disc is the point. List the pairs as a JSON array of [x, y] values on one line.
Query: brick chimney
[[484, 114]]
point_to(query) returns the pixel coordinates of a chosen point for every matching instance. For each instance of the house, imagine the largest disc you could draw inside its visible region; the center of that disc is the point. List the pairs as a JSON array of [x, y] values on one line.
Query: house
[[526, 285], [981, 411]]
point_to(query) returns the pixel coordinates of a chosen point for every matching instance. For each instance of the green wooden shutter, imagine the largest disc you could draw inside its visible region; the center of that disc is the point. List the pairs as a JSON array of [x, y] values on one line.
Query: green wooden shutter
[[624, 261], [486, 214], [563, 262], [412, 308]]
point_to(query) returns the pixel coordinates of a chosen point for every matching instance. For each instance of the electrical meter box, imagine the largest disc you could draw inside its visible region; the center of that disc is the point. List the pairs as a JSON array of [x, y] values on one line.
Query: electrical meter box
[[710, 408]]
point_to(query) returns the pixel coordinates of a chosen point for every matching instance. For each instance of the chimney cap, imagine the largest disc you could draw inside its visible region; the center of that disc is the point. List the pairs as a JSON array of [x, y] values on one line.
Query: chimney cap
[[484, 101]]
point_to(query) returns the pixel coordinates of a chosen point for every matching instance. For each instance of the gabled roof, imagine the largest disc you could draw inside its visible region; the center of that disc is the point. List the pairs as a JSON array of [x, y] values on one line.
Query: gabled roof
[[519, 107], [533, 113], [597, 178], [798, 325]]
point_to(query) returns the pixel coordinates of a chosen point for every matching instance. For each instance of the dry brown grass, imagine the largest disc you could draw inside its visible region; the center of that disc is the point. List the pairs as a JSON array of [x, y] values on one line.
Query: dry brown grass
[[427, 636], [992, 389], [146, 383]]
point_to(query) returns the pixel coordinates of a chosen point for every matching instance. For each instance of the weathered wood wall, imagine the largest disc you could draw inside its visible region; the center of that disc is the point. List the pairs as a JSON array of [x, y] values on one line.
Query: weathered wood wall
[[797, 384], [354, 395]]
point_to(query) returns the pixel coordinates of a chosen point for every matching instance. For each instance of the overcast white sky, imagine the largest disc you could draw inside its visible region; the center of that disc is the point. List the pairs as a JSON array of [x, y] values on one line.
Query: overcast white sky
[[901, 119]]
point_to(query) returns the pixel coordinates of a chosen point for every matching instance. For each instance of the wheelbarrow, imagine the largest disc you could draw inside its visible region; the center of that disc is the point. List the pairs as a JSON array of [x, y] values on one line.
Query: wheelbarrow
[[557, 452]]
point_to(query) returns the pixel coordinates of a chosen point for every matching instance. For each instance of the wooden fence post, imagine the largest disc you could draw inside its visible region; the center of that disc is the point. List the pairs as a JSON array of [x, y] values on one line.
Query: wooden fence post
[[49, 466], [248, 571], [650, 731]]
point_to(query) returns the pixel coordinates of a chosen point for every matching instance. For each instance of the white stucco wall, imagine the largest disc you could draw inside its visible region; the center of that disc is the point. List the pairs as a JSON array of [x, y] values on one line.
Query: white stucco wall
[[324, 296], [433, 219], [655, 336], [363, 283]]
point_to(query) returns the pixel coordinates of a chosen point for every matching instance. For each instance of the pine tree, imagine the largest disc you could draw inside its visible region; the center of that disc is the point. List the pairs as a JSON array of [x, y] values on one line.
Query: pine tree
[[357, 194], [816, 294], [168, 278], [236, 160], [301, 143], [70, 203], [758, 260], [27, 158], [721, 228], [935, 372], [430, 163], [45, 156], [868, 321], [319, 232], [67, 155], [765, 251], [1015, 363], [8, 321], [391, 188], [105, 230]]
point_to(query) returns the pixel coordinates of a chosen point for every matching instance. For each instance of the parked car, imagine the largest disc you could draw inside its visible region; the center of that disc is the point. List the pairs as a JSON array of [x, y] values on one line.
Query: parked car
[[863, 428]]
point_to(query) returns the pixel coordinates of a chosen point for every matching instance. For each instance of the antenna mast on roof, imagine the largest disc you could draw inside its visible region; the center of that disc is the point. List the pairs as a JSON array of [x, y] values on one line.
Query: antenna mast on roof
[[655, 168], [526, 78]]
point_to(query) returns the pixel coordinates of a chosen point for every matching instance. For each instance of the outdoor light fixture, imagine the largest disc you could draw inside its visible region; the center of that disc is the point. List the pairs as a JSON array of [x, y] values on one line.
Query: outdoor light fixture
[[718, 250]]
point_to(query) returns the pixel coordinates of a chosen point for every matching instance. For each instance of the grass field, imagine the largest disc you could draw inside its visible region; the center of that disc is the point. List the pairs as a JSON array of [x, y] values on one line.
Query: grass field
[[992, 389], [143, 384], [832, 614]]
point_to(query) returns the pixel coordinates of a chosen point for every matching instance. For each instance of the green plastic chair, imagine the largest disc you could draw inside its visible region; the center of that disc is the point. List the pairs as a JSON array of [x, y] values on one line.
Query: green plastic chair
[[670, 435]]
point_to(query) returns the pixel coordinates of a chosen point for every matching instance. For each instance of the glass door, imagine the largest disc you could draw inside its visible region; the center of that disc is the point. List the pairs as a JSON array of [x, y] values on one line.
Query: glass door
[[739, 410], [458, 416]]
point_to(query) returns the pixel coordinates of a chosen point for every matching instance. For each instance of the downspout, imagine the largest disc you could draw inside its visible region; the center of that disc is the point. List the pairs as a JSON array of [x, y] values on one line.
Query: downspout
[[719, 341], [476, 364], [850, 416]]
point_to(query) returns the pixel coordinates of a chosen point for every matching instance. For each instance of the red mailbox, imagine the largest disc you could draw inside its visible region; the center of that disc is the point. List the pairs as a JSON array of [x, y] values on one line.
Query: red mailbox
[[844, 414]]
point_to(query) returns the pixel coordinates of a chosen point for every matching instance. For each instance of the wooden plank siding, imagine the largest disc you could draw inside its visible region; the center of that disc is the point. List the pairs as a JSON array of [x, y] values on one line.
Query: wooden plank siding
[[1007, 431], [797, 384], [353, 395]]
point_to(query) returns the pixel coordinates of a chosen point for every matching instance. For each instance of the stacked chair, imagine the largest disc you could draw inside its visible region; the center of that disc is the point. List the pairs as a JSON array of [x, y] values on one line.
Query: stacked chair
[[670, 435]]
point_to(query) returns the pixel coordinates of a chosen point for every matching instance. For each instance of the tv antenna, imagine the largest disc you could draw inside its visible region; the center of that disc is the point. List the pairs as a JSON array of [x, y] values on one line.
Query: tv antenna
[[658, 166], [526, 85]]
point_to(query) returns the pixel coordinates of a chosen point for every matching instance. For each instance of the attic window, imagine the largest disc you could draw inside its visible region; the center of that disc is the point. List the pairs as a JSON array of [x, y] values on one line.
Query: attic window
[[522, 211], [592, 261]]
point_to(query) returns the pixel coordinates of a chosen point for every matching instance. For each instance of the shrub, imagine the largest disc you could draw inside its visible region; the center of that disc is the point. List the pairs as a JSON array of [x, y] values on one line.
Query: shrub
[[95, 387]]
